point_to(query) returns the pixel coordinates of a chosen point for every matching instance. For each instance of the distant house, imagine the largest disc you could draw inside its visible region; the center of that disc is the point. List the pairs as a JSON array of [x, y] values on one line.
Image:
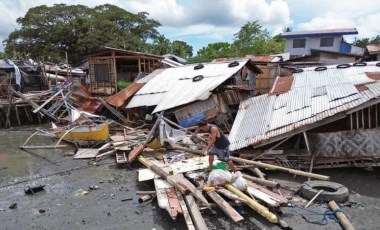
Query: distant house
[[372, 52], [112, 69], [300, 43]]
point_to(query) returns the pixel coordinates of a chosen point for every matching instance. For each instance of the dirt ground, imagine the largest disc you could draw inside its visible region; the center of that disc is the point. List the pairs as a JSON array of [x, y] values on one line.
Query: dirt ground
[[61, 206]]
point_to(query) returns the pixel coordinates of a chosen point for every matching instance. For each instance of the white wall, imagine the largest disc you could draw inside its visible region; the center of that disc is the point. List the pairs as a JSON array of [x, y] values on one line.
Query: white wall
[[311, 43]]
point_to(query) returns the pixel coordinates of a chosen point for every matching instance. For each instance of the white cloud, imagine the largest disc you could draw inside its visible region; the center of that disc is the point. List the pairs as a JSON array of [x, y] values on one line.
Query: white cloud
[[325, 14]]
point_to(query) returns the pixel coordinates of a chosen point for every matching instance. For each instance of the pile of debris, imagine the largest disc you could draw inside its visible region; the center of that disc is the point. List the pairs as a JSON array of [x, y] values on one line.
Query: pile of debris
[[174, 160]]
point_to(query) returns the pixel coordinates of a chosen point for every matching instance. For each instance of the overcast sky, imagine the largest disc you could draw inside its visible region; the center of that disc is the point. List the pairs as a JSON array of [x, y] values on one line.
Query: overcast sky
[[199, 22]]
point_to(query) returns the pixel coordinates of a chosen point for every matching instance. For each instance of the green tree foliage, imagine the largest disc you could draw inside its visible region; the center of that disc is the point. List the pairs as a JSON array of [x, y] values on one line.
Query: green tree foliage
[[251, 39], [46, 33], [213, 51], [181, 49], [363, 42]]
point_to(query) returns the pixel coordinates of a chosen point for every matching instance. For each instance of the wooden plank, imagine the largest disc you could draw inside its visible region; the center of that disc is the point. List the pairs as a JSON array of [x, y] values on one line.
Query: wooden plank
[[84, 153], [257, 194], [135, 152], [225, 206], [174, 205], [275, 196], [162, 196], [196, 215], [185, 212], [147, 174], [182, 182]]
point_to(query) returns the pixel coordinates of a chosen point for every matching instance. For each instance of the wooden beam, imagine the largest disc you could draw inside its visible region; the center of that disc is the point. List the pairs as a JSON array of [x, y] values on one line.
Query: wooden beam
[[196, 215], [225, 206]]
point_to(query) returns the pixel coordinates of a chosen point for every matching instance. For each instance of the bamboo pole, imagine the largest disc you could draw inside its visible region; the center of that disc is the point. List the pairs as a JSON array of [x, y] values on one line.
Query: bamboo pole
[[279, 168], [264, 182], [262, 210], [341, 217]]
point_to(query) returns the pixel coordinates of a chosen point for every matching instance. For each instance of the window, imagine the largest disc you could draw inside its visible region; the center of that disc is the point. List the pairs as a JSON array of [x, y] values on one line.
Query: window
[[327, 42], [299, 43], [102, 72]]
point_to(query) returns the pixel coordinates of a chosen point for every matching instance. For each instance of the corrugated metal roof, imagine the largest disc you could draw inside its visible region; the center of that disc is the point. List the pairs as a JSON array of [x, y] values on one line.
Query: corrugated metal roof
[[175, 86], [121, 97], [5, 65], [314, 97], [374, 49], [314, 33]]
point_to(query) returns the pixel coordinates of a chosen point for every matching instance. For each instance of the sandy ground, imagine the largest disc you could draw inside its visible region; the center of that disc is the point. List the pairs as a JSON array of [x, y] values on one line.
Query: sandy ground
[[61, 207]]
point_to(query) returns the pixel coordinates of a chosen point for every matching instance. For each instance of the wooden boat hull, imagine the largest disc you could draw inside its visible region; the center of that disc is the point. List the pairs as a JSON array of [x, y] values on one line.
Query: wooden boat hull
[[99, 132]]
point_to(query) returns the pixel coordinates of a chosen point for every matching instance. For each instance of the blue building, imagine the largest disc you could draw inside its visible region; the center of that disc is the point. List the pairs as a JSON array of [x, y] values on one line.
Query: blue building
[[300, 43]]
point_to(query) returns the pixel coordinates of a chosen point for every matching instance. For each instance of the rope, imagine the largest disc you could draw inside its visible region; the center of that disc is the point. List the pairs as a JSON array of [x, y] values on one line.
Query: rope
[[326, 215]]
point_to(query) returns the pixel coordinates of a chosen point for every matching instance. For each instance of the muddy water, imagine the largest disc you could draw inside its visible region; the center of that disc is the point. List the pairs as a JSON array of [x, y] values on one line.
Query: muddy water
[[15, 162]]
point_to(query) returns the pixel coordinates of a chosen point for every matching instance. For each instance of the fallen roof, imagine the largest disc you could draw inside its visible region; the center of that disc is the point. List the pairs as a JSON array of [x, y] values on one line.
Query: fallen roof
[[319, 33], [173, 87], [314, 98]]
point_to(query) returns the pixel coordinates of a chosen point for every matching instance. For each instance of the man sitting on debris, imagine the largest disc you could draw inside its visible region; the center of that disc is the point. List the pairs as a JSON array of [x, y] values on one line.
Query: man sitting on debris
[[217, 145]]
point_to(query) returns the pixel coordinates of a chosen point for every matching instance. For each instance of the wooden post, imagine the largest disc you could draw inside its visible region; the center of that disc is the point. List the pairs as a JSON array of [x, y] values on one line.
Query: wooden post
[[8, 122], [341, 217], [17, 115], [279, 168]]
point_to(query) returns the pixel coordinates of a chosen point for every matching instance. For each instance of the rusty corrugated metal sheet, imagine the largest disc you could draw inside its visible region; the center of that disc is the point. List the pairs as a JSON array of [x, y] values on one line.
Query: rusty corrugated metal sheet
[[361, 87], [260, 58], [83, 100], [121, 97], [315, 97], [373, 75], [282, 85]]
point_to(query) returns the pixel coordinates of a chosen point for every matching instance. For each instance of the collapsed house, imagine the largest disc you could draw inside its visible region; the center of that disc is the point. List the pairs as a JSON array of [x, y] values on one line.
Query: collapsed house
[[334, 107], [195, 92]]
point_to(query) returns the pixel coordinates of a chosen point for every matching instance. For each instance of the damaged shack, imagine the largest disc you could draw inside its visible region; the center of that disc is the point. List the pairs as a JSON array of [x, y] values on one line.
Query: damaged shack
[[191, 93], [111, 69], [318, 117]]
